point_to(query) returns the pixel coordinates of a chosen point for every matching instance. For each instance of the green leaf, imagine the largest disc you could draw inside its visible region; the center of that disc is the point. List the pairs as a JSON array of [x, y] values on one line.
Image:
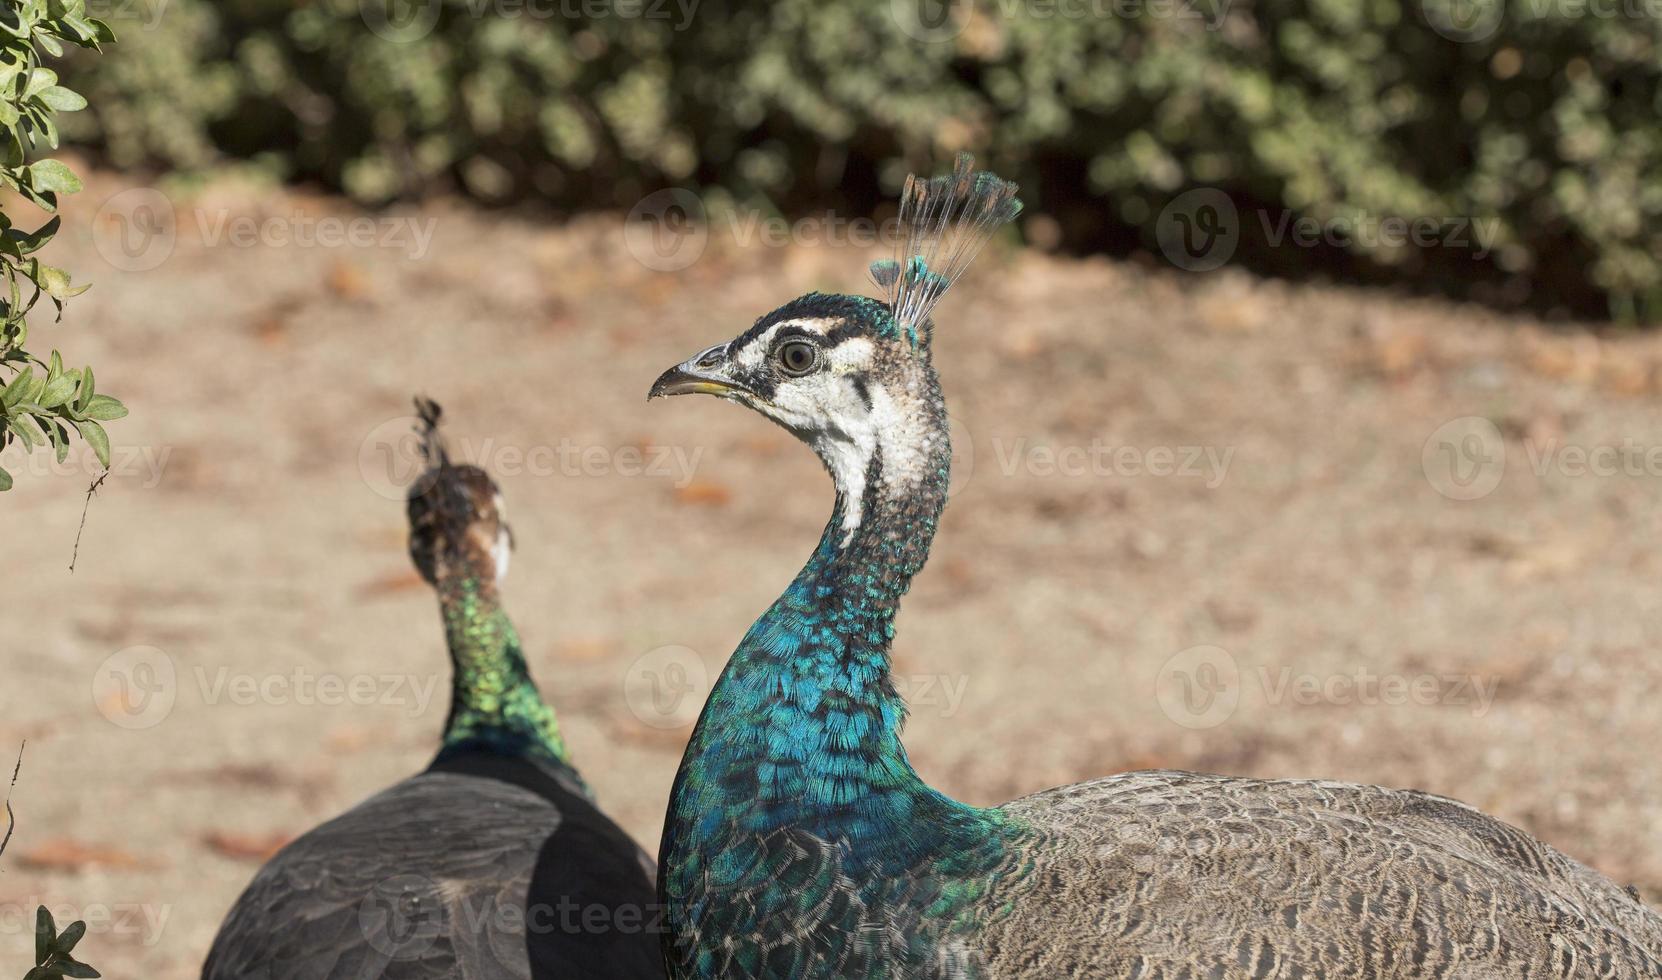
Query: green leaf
[[6, 479], [29, 241], [63, 99], [52, 279], [103, 408], [45, 200], [42, 973], [13, 393], [95, 436], [11, 150], [53, 175], [40, 80], [24, 434], [56, 392], [51, 45], [46, 933], [74, 968], [71, 935]]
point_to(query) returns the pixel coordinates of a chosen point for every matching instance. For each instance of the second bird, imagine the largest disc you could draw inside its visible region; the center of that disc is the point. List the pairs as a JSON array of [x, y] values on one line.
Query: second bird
[[494, 863]]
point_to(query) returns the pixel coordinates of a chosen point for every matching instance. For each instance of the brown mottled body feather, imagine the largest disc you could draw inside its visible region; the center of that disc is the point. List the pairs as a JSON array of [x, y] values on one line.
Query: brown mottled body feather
[[1169, 875]]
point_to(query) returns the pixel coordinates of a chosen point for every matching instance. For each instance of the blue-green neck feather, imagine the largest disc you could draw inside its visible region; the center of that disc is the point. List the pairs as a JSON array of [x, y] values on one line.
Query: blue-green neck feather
[[802, 736]]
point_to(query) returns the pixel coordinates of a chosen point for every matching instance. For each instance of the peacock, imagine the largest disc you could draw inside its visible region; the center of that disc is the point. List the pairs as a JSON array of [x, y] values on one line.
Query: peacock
[[494, 862], [800, 843]]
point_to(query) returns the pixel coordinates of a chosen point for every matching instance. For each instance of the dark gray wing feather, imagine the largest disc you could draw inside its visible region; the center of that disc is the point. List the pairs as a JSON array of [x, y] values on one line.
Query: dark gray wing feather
[[423, 880]]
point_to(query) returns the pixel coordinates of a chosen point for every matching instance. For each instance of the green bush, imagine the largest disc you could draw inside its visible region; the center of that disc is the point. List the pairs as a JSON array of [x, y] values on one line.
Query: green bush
[[39, 409], [1542, 124]]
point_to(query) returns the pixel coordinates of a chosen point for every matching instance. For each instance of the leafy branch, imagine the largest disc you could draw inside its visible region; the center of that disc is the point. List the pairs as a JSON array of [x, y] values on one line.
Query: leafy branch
[[39, 409], [52, 949]]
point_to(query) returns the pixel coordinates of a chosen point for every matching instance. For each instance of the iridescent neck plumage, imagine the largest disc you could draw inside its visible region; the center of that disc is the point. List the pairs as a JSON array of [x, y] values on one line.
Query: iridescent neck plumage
[[494, 703], [803, 728]]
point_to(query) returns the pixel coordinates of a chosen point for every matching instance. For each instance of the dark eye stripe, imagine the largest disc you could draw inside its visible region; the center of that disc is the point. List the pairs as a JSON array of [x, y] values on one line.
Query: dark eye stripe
[[863, 391]]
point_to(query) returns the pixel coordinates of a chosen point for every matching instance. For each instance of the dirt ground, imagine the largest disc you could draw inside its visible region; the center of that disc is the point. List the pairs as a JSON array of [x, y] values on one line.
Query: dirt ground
[[1202, 522]]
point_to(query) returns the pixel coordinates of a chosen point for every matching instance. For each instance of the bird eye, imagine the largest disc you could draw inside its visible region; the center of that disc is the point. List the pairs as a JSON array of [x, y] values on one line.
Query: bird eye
[[797, 357]]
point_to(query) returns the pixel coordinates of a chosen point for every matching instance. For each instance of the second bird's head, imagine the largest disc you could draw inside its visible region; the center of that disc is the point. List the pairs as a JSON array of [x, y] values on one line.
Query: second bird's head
[[458, 521]]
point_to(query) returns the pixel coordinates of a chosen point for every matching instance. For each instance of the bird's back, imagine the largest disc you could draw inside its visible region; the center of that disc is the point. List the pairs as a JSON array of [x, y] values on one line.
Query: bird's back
[[1170, 874], [467, 871]]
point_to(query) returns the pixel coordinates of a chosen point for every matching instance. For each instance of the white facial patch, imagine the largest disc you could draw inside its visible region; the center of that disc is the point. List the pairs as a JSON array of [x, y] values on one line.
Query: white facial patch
[[503, 547], [757, 350], [845, 426], [503, 550]]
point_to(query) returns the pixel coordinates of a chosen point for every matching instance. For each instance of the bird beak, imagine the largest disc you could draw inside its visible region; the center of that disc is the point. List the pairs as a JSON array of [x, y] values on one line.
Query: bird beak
[[704, 373]]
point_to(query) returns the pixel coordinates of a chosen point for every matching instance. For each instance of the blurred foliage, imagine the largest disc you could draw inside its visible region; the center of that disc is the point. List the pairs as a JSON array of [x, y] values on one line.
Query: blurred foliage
[[38, 409], [1542, 123]]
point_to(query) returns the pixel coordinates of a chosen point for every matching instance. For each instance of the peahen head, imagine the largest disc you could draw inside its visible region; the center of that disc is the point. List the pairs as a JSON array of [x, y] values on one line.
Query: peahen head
[[851, 375], [458, 529]]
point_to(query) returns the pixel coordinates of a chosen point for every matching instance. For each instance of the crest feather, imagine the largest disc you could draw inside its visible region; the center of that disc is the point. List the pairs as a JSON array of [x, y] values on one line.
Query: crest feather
[[945, 221]]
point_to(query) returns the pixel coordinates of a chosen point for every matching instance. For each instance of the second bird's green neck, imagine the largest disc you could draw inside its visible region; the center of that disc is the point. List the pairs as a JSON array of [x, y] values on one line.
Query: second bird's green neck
[[494, 704]]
